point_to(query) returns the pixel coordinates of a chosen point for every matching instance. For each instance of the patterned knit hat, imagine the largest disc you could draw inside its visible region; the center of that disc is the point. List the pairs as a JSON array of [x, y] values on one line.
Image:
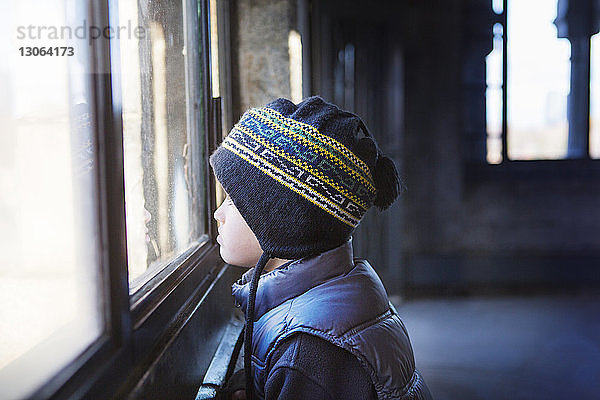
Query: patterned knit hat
[[302, 176]]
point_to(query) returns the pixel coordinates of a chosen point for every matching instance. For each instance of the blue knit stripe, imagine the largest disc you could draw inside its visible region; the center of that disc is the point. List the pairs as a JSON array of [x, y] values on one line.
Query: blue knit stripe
[[303, 133], [316, 184], [316, 160], [304, 158], [327, 141], [295, 179]]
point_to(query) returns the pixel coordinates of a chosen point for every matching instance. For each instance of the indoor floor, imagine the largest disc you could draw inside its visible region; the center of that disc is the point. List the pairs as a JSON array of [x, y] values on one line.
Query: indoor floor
[[507, 347]]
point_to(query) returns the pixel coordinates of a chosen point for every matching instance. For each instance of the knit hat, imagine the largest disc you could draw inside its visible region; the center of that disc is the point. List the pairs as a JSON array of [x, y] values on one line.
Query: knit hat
[[302, 176]]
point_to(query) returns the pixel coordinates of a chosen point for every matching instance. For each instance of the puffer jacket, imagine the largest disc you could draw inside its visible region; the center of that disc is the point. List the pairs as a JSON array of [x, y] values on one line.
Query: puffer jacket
[[342, 300]]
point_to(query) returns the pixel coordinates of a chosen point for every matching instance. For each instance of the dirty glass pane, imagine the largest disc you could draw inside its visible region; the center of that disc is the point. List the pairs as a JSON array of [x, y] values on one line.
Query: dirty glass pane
[[538, 82], [50, 286], [164, 208]]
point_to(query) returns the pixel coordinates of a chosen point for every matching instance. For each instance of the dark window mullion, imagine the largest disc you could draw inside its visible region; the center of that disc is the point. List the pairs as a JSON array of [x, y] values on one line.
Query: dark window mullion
[[210, 125], [504, 22], [111, 189], [579, 121], [198, 114]]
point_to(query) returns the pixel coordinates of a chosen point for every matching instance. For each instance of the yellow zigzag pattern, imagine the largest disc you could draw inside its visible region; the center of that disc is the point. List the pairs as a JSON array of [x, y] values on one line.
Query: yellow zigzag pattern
[[302, 165], [362, 173], [290, 182], [312, 131]]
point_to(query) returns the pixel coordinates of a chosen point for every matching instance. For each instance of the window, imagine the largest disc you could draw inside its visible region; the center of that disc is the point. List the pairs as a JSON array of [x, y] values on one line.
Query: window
[[105, 239], [493, 97], [51, 307], [595, 98], [164, 201], [543, 60]]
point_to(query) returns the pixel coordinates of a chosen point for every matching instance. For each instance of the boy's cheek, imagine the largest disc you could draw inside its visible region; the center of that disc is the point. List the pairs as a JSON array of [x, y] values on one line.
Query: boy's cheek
[[236, 253]]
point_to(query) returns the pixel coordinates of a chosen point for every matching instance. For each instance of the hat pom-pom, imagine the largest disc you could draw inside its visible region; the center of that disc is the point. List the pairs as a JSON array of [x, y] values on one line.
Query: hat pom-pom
[[387, 182]]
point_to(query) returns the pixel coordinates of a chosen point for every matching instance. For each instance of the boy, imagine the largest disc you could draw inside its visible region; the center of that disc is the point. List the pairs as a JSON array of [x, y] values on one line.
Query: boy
[[319, 325]]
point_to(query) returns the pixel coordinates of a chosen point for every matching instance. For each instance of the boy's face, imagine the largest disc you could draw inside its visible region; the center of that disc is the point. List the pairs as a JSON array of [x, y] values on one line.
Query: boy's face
[[239, 245]]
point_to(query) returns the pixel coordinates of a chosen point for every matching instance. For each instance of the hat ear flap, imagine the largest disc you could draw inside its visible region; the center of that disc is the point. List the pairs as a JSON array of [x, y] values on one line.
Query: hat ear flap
[[387, 182]]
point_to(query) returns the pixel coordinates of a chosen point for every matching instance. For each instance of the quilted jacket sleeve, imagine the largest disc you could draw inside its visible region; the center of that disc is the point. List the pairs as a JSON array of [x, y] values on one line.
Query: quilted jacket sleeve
[[308, 367]]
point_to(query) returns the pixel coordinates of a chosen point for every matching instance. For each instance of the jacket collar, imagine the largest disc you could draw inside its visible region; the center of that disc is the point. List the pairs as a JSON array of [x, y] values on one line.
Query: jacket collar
[[293, 278]]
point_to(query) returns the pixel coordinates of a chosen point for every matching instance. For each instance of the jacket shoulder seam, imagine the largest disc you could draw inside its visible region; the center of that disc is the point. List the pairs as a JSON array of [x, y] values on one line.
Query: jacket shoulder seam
[[364, 325]]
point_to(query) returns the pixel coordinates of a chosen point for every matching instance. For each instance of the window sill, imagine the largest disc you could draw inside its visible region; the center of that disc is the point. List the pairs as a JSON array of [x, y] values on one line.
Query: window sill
[[200, 262], [533, 169]]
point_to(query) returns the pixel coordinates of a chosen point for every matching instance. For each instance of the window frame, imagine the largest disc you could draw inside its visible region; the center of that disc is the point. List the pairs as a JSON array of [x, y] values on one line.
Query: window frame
[[502, 19], [137, 327]]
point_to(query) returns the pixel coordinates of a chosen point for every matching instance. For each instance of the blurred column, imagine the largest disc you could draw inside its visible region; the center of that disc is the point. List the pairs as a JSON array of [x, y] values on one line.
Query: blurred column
[[578, 21], [477, 41]]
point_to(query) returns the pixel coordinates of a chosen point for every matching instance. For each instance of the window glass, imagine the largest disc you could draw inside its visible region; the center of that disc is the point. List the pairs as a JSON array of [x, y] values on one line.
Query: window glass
[[50, 286], [493, 98], [164, 201], [538, 82], [214, 49], [498, 6], [595, 97]]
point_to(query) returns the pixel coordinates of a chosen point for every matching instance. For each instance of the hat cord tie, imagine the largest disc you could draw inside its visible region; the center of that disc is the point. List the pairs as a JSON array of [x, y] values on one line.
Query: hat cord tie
[[249, 324]]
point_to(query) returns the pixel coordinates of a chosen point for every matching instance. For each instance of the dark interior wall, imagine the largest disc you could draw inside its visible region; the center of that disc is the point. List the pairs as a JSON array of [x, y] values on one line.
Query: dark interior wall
[[471, 225], [553, 211], [358, 66], [524, 230], [432, 152], [461, 225]]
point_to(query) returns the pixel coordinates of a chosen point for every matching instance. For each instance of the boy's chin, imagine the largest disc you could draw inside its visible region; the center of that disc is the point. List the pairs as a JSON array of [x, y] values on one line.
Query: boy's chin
[[224, 255], [233, 260]]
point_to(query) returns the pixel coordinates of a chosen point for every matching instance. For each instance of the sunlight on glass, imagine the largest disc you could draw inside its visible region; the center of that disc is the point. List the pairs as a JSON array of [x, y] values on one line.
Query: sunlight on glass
[[493, 98], [595, 97], [50, 294], [538, 82], [295, 54], [214, 49], [498, 6]]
